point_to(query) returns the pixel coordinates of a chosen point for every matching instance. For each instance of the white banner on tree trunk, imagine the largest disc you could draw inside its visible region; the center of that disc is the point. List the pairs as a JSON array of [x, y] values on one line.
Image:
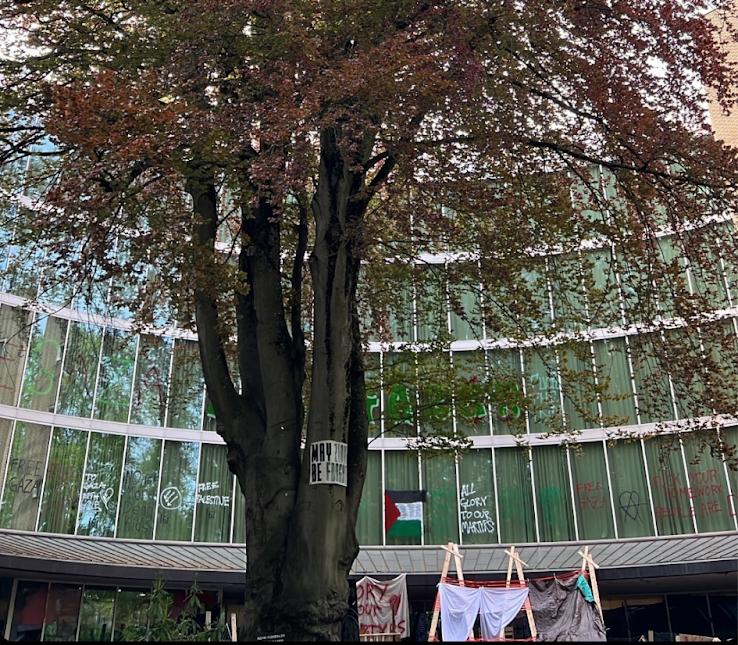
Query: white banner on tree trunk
[[382, 606], [328, 462]]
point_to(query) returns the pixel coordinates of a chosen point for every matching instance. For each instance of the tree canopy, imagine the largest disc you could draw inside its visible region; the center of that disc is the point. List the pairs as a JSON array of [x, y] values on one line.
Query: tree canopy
[[532, 154]]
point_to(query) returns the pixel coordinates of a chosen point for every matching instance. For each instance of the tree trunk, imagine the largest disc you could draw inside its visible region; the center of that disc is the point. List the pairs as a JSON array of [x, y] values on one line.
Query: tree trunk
[[322, 544], [300, 538]]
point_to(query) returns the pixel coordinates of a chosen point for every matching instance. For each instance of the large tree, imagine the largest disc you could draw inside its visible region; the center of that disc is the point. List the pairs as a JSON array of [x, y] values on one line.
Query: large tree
[[219, 142]]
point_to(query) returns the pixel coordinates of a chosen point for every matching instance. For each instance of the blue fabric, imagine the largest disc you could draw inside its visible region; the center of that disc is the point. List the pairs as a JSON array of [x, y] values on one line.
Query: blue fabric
[[584, 587]]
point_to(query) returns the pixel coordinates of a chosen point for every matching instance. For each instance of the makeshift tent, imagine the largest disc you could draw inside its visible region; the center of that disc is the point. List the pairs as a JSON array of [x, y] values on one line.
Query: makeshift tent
[[562, 611], [461, 605], [563, 607], [497, 603]]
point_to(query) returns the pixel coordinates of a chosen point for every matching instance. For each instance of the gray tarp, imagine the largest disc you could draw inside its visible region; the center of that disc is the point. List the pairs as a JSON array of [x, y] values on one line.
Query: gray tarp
[[562, 613]]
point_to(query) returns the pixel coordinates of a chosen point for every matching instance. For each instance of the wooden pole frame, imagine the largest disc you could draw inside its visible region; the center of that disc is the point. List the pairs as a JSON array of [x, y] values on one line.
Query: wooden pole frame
[[591, 567], [514, 556], [450, 549]]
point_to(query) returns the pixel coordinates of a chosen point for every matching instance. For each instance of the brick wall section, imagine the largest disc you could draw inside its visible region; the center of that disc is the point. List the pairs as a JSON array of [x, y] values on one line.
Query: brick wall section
[[725, 125]]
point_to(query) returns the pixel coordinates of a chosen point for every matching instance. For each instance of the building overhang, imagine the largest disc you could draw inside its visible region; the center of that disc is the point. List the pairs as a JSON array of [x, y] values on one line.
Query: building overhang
[[123, 561]]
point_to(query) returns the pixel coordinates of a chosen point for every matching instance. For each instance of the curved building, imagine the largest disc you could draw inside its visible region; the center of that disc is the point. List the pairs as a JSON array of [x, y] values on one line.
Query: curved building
[[110, 469]]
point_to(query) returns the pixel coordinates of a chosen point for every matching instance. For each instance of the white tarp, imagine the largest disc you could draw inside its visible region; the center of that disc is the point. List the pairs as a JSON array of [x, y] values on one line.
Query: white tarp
[[460, 605], [382, 606], [459, 609], [498, 607]]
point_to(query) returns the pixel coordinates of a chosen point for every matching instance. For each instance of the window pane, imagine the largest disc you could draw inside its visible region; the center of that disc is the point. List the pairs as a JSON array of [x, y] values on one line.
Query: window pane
[[507, 391], [13, 343], [6, 592], [466, 314], [239, 515], [724, 610], [477, 498], [728, 254], [689, 375], [639, 303], [400, 307], [152, 376], [430, 302], [613, 614], [127, 286], [63, 481], [517, 521], [670, 272], [214, 496], [398, 377], [577, 376], [373, 393], [709, 489], [44, 364], [543, 389], [618, 404], [569, 301], [209, 423], [28, 611], [96, 621], [56, 289], [138, 492], [24, 270], [187, 387], [464, 301], [652, 383], [669, 486], [401, 474], [720, 345], [6, 436], [80, 370], [441, 519], [436, 380], [25, 477], [704, 267], [591, 492], [553, 492], [689, 614], [602, 289], [116, 376], [101, 485], [62, 610], [130, 610], [533, 303], [470, 400], [647, 614], [629, 489], [177, 490], [730, 436], [370, 522]]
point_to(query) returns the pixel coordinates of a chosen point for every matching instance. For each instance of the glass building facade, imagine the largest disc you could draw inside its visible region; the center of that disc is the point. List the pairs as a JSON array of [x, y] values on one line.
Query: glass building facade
[[108, 433]]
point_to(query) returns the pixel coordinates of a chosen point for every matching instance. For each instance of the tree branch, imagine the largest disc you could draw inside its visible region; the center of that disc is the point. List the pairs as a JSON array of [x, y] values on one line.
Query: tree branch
[[298, 337], [215, 366]]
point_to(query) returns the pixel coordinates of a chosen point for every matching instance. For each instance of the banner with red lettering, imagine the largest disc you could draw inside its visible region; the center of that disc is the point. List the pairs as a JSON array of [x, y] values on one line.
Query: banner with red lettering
[[383, 607]]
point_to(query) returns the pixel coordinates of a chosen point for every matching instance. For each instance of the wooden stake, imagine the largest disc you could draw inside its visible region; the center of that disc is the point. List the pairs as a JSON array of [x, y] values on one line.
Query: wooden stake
[[454, 550], [591, 567], [437, 604], [234, 638], [584, 558], [514, 557], [509, 565]]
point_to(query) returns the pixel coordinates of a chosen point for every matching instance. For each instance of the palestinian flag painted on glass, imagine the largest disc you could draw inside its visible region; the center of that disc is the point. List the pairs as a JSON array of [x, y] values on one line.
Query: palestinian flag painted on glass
[[403, 512]]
